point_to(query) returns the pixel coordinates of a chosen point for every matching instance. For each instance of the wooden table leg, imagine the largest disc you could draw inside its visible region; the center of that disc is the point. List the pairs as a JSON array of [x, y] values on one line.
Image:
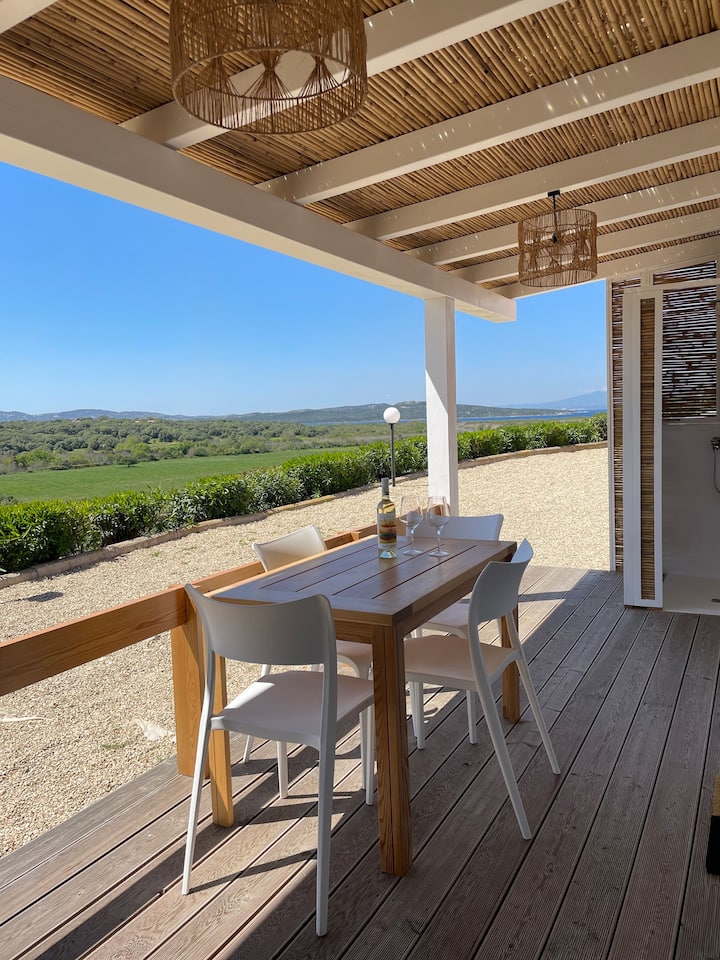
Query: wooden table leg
[[188, 659], [510, 681], [219, 756], [392, 752], [188, 665]]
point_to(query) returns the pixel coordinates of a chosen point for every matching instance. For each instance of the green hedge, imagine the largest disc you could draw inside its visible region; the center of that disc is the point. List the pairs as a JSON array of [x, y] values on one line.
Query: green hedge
[[37, 532]]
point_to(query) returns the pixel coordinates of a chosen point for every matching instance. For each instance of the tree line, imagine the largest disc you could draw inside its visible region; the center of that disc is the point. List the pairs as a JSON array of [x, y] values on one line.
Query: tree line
[[27, 445]]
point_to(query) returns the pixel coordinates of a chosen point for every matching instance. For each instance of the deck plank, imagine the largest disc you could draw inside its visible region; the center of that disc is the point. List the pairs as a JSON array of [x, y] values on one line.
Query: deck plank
[[584, 925], [659, 874], [615, 869], [487, 875], [699, 934]]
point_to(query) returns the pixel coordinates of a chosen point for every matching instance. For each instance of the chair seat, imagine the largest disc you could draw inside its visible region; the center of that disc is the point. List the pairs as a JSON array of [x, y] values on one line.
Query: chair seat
[[437, 658], [452, 619], [284, 706], [358, 655]]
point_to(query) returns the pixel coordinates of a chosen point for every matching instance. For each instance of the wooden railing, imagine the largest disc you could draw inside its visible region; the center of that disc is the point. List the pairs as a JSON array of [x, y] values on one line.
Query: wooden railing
[[36, 656]]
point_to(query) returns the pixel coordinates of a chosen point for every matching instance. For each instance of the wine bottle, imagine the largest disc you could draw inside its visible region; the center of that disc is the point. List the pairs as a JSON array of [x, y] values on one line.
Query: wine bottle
[[386, 529]]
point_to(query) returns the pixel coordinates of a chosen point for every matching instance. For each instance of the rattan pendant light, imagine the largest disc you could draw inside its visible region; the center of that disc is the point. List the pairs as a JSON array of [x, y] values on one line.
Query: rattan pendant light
[[558, 248], [268, 66]]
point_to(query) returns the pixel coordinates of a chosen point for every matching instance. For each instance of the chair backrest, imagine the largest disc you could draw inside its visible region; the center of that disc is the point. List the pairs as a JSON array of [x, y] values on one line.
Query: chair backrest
[[524, 552], [288, 634], [298, 545], [496, 591], [466, 528]]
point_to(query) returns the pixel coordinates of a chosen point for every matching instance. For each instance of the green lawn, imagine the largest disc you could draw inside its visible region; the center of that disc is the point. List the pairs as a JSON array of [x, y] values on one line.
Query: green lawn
[[87, 482]]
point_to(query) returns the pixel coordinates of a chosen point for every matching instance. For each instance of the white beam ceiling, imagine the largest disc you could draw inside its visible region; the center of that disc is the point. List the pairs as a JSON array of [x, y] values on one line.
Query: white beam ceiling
[[663, 231], [596, 92], [395, 36], [673, 146], [643, 203], [40, 133], [13, 12]]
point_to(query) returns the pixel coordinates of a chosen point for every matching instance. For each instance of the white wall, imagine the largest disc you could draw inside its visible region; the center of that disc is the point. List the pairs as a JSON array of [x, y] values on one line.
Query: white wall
[[691, 505]]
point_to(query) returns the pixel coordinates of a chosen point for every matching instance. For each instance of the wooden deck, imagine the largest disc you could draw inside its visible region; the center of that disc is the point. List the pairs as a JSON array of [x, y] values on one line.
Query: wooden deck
[[615, 868]]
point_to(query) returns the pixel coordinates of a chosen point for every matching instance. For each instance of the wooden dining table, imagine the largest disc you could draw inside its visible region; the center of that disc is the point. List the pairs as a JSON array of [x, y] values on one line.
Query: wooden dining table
[[379, 602]]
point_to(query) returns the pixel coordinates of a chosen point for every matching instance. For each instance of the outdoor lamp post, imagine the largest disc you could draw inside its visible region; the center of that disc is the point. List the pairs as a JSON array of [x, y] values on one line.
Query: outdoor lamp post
[[391, 416]]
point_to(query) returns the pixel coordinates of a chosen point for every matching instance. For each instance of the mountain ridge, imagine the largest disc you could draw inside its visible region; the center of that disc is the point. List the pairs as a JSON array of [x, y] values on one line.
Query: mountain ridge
[[359, 413]]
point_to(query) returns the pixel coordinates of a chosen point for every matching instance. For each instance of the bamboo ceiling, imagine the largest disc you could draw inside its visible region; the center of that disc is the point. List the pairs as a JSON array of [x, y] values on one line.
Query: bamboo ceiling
[[110, 59]]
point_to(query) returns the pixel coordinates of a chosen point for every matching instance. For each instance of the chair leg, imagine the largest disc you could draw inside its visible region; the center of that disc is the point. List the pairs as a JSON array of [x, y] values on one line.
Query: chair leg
[[266, 668], [537, 713], [325, 796], [501, 751], [417, 709], [367, 751], [198, 776], [282, 769], [471, 715], [524, 672]]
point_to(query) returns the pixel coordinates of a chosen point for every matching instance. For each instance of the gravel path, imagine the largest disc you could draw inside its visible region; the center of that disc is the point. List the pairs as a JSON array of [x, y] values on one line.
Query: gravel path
[[69, 740]]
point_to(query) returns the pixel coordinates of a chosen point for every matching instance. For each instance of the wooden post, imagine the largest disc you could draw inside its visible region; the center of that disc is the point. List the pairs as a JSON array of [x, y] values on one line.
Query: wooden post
[[188, 667], [219, 756]]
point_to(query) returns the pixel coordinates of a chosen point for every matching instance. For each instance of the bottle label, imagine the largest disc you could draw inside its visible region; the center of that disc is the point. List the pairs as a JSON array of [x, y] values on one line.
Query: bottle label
[[387, 532]]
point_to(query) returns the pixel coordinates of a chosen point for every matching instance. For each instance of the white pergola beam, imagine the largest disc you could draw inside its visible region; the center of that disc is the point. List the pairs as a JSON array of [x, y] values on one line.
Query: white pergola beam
[[649, 234], [673, 146], [45, 135], [642, 203], [651, 74], [13, 12], [395, 36], [657, 261]]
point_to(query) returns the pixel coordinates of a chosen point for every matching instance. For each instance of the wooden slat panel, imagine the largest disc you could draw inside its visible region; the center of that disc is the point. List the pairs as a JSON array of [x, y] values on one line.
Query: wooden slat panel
[[648, 321], [616, 410]]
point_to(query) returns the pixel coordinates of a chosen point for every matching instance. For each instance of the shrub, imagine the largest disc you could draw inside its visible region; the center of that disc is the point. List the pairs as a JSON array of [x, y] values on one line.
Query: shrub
[[32, 533]]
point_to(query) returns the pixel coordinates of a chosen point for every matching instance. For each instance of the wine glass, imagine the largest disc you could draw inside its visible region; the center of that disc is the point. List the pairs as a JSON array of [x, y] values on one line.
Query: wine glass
[[410, 515], [436, 514]]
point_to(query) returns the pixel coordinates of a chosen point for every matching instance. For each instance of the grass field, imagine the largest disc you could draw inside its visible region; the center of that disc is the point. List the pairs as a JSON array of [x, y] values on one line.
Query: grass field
[[88, 482]]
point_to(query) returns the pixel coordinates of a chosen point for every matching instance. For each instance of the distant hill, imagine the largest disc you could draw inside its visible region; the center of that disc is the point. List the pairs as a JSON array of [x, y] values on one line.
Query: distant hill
[[370, 412], [597, 400], [6, 415], [362, 413]]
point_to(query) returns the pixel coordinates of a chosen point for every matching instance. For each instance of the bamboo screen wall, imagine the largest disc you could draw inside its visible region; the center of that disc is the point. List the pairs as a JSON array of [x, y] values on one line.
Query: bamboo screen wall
[[648, 321], [689, 387], [616, 308], [689, 360]]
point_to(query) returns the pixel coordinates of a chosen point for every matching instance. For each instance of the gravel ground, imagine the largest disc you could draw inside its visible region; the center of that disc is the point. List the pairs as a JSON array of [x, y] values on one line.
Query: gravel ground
[[69, 740]]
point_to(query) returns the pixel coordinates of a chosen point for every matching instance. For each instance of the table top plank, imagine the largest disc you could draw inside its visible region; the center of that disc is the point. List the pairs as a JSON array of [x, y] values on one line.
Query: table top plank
[[357, 581]]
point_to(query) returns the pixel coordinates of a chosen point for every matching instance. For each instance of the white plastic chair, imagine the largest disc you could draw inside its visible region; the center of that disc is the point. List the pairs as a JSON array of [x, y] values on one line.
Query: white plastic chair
[[300, 706], [299, 545], [466, 663], [454, 618]]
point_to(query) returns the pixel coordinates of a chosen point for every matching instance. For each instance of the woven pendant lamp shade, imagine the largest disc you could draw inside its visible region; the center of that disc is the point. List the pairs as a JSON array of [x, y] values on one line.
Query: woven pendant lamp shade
[[268, 66], [558, 248]]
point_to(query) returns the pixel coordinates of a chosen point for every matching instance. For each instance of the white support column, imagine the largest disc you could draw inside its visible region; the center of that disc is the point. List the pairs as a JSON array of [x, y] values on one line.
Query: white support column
[[441, 399]]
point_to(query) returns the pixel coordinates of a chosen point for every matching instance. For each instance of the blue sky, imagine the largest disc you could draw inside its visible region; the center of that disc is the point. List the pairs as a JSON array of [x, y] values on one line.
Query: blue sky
[[105, 305]]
